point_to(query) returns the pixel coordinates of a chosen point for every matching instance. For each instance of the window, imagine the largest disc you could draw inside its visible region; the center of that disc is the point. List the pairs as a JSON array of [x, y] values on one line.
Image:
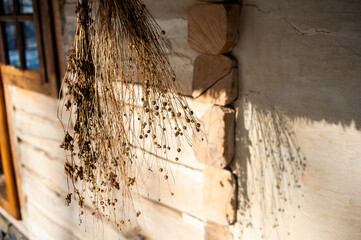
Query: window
[[27, 45], [28, 59]]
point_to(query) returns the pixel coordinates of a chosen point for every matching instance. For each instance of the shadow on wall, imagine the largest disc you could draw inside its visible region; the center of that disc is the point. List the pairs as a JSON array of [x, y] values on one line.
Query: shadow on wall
[[299, 67], [304, 56], [271, 169]]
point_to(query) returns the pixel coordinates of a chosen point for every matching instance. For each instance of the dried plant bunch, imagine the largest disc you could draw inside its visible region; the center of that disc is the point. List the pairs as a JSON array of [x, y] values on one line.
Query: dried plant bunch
[[123, 94]]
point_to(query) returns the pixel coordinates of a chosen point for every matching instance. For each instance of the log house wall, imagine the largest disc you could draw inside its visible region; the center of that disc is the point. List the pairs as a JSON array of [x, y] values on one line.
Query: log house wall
[[298, 101]]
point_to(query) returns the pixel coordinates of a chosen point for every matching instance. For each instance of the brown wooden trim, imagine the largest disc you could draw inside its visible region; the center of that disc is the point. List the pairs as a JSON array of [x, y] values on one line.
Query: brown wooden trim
[[14, 144], [16, 7], [12, 204], [3, 55], [20, 43], [58, 18], [39, 41], [20, 18], [28, 79], [49, 47]]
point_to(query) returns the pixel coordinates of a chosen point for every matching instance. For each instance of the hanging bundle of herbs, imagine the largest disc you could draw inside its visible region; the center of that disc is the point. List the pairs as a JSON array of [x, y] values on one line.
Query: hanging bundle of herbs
[[125, 108]]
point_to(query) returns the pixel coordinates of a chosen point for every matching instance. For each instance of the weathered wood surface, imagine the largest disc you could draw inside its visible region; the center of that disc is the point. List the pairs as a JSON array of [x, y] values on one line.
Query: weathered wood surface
[[208, 69], [300, 72], [212, 191], [214, 231], [215, 79], [218, 147], [223, 92], [38, 135], [45, 109], [189, 157], [42, 194], [212, 28], [41, 136]]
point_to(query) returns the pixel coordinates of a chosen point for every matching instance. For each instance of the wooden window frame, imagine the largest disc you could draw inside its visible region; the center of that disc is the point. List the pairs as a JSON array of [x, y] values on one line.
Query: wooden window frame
[[11, 204], [46, 80]]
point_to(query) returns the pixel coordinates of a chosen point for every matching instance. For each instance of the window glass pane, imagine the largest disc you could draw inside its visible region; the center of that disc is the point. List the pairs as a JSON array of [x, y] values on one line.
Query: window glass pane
[[31, 49], [13, 53], [6, 7], [26, 6]]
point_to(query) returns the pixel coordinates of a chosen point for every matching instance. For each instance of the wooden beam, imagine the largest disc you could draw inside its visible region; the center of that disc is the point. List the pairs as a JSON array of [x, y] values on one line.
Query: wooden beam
[[218, 148], [28, 79], [219, 198], [215, 79], [20, 18], [214, 231], [212, 28]]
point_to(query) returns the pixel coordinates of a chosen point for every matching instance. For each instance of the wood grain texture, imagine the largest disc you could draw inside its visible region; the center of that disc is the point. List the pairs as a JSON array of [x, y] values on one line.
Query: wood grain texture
[[214, 231], [9, 202], [212, 28], [40, 135], [218, 148], [219, 198], [215, 79], [27, 79], [208, 69]]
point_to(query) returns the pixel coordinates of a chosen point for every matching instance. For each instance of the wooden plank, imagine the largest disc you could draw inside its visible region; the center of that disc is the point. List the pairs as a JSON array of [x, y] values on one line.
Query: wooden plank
[[218, 148], [212, 28], [212, 191], [214, 231], [186, 182], [44, 219], [208, 69], [20, 18], [219, 198], [28, 79], [223, 92], [157, 222], [42, 196], [162, 223], [35, 103], [13, 145], [215, 79], [44, 109], [11, 203]]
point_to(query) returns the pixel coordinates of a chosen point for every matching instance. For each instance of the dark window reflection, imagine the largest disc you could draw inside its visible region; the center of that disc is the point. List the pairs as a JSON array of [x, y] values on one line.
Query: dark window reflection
[[6, 7], [13, 53], [31, 50], [26, 6]]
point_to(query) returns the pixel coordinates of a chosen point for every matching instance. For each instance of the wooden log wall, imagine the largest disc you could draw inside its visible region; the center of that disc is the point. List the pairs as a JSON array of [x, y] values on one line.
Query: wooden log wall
[[204, 201], [297, 154]]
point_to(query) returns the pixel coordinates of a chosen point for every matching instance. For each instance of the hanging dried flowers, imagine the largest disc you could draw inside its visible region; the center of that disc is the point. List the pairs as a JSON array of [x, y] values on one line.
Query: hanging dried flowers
[[123, 94]]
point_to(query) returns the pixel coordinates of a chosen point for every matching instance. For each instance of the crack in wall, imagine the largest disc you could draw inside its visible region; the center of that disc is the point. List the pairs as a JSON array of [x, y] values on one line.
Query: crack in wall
[[310, 31], [252, 5]]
